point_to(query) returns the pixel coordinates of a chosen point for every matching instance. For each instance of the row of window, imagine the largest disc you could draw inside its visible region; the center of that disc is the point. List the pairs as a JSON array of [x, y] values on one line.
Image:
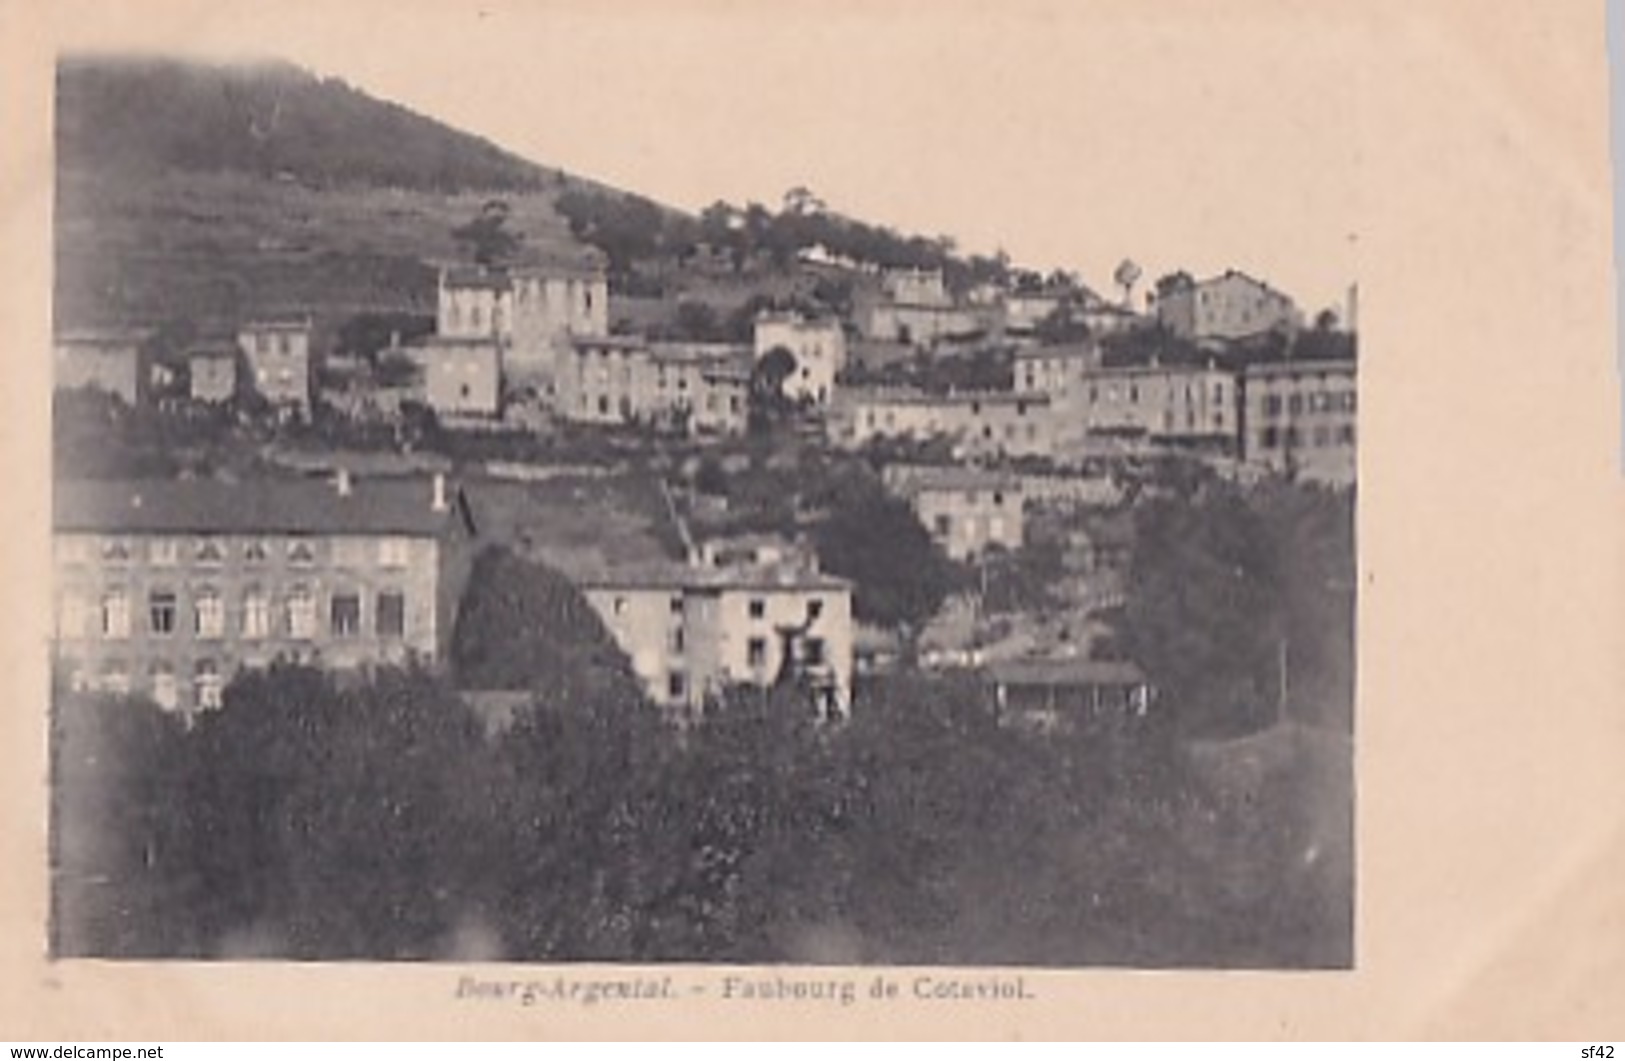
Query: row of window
[[812, 650], [1322, 435], [476, 317], [114, 677], [1259, 301], [1170, 422], [1319, 402], [944, 526], [756, 607], [813, 654], [210, 552], [888, 422], [280, 342], [295, 616], [1191, 394]]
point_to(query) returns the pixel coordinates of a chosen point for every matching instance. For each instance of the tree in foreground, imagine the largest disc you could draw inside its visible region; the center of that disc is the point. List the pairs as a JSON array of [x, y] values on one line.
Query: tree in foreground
[[901, 575]]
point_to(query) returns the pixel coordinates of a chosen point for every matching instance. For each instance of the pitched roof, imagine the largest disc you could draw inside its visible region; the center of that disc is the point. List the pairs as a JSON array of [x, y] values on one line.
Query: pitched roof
[[1162, 368], [1063, 672], [706, 354], [1237, 274], [279, 324], [475, 276], [1088, 351], [501, 277], [676, 576], [211, 506], [102, 335], [1301, 368]]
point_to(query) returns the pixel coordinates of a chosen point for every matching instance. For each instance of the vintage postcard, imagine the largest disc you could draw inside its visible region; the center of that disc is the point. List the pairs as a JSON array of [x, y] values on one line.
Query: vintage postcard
[[549, 520]]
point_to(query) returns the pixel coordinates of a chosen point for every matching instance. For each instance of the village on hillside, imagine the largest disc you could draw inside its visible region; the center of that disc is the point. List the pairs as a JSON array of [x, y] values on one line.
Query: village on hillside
[[764, 585], [1069, 403]]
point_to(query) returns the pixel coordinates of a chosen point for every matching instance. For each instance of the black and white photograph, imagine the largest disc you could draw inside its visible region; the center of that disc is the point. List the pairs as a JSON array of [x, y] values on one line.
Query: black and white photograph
[[585, 494]]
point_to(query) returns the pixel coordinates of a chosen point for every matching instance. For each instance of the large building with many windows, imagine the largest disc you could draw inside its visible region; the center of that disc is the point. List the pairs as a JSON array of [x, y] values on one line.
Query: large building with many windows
[[979, 424], [1298, 420], [692, 631], [1189, 403], [166, 588]]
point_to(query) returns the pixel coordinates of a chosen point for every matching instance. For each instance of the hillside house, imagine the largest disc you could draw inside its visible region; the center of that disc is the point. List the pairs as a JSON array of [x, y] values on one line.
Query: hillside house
[[211, 372], [1060, 371], [1025, 311], [277, 354], [693, 631], [535, 311], [599, 382], [1165, 403], [104, 359], [461, 375], [704, 388], [1298, 418], [1227, 307], [981, 424], [967, 511], [818, 346]]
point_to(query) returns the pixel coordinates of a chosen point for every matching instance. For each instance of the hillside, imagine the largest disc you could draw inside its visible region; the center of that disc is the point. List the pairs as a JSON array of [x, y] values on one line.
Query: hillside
[[210, 193], [199, 195], [270, 119]]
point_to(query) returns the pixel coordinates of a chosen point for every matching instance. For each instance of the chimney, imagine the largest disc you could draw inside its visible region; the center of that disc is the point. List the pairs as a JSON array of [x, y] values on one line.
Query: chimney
[[341, 481], [439, 501], [395, 340]]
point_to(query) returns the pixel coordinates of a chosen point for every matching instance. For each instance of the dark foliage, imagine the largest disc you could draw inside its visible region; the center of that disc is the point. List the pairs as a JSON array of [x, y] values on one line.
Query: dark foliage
[[1240, 605], [270, 119], [312, 819], [901, 577], [982, 368], [365, 334], [627, 228], [487, 237], [524, 626]]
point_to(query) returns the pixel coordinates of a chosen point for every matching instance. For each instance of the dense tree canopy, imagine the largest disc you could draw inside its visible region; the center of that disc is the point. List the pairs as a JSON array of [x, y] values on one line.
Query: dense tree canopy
[[489, 240], [378, 819], [901, 576], [1241, 605], [522, 626]]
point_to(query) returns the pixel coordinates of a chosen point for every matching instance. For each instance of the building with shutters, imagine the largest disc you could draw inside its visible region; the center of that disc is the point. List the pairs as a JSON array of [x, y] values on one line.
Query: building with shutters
[[166, 588]]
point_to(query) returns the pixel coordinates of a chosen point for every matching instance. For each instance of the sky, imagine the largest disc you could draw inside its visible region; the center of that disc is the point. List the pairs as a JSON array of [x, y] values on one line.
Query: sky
[[1070, 136]]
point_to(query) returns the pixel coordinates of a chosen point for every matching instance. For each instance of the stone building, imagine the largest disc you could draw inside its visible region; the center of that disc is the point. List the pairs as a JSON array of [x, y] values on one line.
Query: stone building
[[979, 424], [692, 631], [818, 346], [166, 588], [1298, 418], [278, 356], [1226, 307], [967, 511]]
